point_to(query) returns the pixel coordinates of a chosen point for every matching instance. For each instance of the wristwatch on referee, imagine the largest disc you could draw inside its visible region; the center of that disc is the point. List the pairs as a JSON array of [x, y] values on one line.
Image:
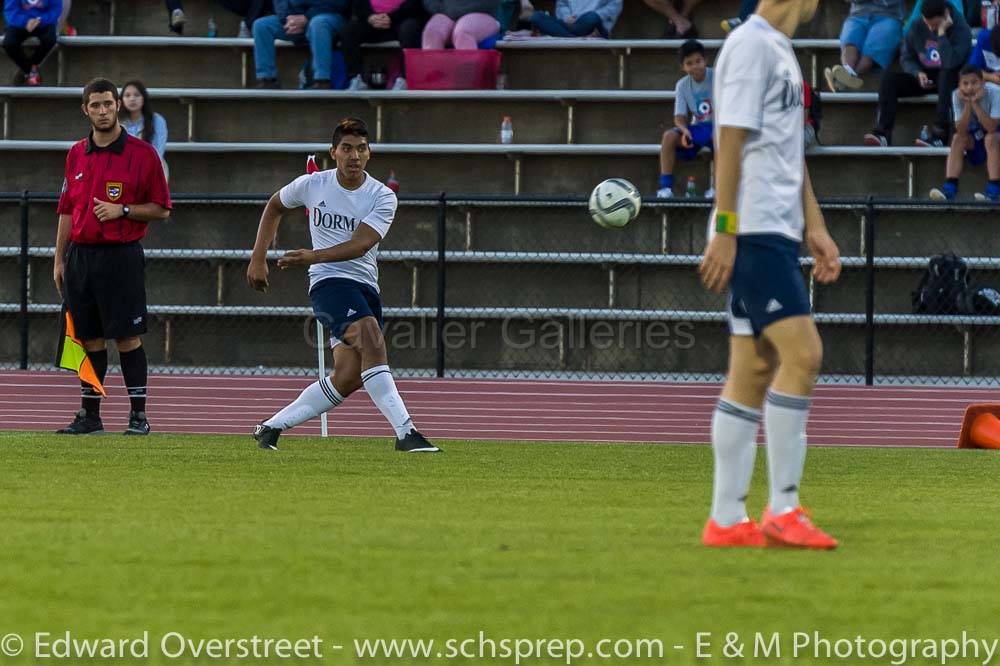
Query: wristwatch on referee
[[126, 210]]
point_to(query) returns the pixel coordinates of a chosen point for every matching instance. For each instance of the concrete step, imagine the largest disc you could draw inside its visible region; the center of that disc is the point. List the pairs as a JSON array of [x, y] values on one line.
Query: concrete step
[[491, 169], [414, 117]]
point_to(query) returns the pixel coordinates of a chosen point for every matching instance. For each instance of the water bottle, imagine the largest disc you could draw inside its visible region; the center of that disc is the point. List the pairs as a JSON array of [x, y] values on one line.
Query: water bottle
[[507, 130], [392, 183], [925, 134], [213, 29], [692, 188]]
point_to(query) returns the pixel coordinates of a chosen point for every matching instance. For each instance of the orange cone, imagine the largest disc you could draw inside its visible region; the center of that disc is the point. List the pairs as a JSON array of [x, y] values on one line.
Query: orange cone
[[980, 427]]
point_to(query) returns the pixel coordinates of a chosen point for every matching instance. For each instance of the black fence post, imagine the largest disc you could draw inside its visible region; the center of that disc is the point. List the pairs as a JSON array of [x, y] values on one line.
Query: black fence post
[[24, 280], [870, 293], [441, 282]]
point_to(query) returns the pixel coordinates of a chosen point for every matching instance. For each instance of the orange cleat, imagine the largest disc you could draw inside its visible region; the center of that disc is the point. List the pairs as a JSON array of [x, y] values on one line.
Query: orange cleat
[[741, 535], [794, 530]]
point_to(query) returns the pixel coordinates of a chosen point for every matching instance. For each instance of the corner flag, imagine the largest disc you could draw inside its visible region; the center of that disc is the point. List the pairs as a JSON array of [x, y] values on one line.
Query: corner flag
[[72, 356]]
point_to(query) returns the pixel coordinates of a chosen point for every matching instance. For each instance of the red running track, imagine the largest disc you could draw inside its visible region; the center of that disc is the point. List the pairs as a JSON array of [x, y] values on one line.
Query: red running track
[[498, 409]]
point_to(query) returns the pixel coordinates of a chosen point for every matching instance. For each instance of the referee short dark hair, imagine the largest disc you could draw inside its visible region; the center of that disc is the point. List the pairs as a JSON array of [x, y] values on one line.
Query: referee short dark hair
[[99, 85], [349, 127]]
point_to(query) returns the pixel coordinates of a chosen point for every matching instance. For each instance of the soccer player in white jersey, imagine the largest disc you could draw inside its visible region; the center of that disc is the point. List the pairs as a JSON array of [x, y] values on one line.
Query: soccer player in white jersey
[[765, 208], [349, 213]]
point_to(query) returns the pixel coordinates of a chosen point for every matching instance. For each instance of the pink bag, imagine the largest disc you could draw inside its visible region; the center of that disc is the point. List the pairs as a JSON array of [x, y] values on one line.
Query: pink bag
[[452, 69]]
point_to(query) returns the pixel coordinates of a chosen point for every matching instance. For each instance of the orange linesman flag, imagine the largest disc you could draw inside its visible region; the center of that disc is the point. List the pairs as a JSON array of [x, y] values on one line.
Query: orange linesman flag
[[72, 355]]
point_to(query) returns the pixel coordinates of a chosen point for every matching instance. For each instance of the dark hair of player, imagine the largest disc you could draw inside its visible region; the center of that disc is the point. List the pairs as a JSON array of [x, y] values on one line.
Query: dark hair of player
[[691, 47], [99, 86], [349, 127], [934, 8]]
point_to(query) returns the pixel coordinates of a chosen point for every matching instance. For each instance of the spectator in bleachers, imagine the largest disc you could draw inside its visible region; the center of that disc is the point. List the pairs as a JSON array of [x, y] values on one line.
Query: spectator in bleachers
[[870, 37], [24, 19], [967, 8], [747, 7], [934, 51], [462, 23], [138, 118], [679, 23], [692, 104], [813, 114], [579, 18], [381, 21], [986, 55], [977, 115], [314, 22]]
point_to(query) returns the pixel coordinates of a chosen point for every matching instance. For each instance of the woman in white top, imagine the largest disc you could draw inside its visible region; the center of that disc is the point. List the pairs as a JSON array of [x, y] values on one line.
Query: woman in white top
[[139, 120]]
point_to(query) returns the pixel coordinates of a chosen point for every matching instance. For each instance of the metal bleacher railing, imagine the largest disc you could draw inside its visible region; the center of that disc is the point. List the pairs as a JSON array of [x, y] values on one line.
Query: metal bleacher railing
[[478, 286]]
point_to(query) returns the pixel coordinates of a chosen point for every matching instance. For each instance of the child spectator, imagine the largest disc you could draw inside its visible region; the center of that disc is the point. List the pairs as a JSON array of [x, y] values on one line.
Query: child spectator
[[139, 119], [30, 18], [679, 23], [977, 114], [870, 36], [462, 23], [694, 102], [986, 55], [747, 7], [381, 21], [579, 18], [314, 22], [934, 51]]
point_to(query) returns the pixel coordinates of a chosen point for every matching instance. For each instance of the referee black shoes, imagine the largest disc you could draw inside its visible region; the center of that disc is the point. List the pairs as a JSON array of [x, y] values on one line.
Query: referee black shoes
[[83, 425], [414, 442], [266, 436], [137, 424]]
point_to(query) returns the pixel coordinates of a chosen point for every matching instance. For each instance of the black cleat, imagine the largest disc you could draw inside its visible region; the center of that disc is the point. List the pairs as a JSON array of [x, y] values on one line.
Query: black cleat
[[137, 424], [83, 425], [266, 436], [414, 442]]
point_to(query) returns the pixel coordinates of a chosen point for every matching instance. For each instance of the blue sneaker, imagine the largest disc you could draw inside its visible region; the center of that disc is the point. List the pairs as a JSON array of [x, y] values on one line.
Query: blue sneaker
[[947, 192], [992, 193]]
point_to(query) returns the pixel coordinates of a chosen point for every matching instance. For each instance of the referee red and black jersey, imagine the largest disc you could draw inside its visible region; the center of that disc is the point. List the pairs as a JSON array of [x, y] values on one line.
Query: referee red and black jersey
[[127, 172]]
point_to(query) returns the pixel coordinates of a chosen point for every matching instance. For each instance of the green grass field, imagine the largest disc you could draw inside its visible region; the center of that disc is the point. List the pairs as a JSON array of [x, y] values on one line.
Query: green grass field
[[347, 539]]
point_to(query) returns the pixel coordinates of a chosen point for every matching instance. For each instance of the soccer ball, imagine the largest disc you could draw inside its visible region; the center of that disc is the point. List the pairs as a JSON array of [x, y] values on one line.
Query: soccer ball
[[614, 203]]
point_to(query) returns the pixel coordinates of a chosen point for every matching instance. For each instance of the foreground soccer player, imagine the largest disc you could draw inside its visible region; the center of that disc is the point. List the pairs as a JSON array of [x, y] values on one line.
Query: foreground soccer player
[[764, 203], [349, 213]]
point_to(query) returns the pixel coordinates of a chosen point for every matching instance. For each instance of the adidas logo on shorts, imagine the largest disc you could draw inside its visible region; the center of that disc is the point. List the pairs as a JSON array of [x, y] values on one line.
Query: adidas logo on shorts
[[773, 306], [351, 311]]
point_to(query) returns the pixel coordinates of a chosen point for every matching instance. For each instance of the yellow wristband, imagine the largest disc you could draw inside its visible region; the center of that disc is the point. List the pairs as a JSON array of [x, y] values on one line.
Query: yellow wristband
[[726, 222]]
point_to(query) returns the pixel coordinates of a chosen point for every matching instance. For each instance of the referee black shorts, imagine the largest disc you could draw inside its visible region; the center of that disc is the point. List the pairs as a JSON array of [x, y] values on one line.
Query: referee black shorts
[[105, 290]]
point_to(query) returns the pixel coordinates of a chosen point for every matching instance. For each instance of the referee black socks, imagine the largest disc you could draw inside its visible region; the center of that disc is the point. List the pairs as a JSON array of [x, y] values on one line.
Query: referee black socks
[[91, 399], [134, 372]]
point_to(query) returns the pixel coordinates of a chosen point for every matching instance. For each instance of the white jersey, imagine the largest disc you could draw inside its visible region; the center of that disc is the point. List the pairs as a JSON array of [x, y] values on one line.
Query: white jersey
[[334, 215], [758, 87]]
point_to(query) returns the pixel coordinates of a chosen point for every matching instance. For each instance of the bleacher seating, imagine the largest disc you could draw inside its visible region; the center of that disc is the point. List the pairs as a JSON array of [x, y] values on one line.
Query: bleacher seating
[[583, 110]]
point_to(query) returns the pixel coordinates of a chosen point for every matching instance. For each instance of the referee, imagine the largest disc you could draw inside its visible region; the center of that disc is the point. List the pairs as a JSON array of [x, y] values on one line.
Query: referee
[[114, 187]]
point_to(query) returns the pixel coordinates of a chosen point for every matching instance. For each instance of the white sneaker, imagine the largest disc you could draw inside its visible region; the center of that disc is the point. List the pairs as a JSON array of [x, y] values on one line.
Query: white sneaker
[[710, 193], [665, 193], [399, 84], [244, 31], [357, 83], [844, 78]]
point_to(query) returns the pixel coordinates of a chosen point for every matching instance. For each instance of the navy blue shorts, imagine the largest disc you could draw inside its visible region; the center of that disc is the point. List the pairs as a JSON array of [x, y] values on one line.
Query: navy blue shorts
[[767, 283], [977, 155], [339, 302], [701, 137]]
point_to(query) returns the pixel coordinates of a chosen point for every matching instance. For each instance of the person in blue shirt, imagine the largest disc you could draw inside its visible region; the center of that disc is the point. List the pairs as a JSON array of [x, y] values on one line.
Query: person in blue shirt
[[986, 55], [314, 22], [24, 19], [139, 119]]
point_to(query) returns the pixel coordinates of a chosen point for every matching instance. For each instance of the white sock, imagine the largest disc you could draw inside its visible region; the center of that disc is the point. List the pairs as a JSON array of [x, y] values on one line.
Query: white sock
[[380, 386], [785, 419], [317, 398], [734, 442], [850, 70]]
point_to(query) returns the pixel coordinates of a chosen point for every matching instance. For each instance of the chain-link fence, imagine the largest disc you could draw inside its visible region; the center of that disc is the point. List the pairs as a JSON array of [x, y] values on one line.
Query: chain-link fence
[[526, 288]]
